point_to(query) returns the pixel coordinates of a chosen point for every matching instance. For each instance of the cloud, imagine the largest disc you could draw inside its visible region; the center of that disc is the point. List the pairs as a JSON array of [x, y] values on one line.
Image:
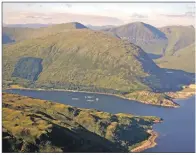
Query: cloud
[[136, 15], [38, 17], [160, 20], [69, 5], [30, 4], [94, 14], [54, 18], [186, 14]]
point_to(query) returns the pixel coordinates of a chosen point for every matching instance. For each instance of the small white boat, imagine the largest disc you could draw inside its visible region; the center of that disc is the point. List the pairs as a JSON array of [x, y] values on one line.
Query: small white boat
[[75, 98], [89, 96], [90, 100], [97, 99]]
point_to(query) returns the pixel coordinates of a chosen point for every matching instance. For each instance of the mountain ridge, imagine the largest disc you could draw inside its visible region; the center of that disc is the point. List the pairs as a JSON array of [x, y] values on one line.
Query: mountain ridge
[[158, 42], [84, 59], [20, 34]]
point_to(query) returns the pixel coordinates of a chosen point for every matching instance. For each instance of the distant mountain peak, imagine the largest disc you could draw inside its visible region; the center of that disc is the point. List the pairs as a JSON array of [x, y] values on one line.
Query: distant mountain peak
[[138, 32], [74, 25], [142, 23], [78, 25]]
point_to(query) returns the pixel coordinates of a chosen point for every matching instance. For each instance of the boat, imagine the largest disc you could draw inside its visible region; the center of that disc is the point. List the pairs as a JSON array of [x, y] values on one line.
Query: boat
[[90, 100], [89, 96], [75, 98]]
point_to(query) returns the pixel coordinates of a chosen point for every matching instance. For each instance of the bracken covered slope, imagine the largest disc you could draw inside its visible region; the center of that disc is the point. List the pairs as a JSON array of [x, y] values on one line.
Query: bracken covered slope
[[33, 125]]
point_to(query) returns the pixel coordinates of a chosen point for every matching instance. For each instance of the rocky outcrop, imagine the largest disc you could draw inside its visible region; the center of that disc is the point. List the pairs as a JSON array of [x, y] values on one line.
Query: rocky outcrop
[[152, 98]]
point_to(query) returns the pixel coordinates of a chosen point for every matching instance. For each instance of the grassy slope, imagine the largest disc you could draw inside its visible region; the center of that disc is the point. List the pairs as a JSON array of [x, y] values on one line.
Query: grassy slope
[[86, 60], [33, 125], [180, 51], [19, 34], [187, 91], [179, 37], [166, 40], [171, 40], [183, 59], [149, 38], [95, 58], [147, 97]]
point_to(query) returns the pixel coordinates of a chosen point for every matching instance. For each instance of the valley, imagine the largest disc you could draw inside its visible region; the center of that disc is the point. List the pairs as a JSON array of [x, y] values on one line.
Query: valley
[[73, 85]]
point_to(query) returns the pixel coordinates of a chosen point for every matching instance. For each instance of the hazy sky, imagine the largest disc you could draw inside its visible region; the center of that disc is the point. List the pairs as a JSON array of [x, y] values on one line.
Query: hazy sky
[[157, 14]]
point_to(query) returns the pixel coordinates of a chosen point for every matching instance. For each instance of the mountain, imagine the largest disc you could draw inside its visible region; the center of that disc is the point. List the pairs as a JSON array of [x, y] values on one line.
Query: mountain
[[180, 48], [183, 59], [179, 37], [158, 43], [83, 59], [19, 34], [138, 32], [143, 35], [33, 125]]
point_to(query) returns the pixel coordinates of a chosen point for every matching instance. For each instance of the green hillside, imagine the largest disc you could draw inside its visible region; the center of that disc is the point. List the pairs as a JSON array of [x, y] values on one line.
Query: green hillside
[[18, 34], [183, 59], [33, 125], [179, 37], [91, 60], [160, 43], [82, 59], [149, 38]]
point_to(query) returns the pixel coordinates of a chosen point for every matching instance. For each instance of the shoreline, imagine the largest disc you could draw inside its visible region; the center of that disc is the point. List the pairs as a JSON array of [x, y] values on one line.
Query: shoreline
[[143, 145], [109, 94], [73, 91], [180, 95], [149, 143], [88, 92]]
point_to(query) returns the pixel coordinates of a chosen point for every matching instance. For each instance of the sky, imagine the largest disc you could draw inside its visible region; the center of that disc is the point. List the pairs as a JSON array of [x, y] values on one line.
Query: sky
[[98, 14]]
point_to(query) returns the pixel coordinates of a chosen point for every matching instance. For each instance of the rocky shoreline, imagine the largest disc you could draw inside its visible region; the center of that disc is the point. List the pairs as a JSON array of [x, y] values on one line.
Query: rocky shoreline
[[186, 92], [147, 143]]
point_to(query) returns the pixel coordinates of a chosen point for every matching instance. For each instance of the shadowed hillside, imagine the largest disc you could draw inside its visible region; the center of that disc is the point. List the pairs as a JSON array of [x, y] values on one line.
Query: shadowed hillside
[[6, 39], [28, 68]]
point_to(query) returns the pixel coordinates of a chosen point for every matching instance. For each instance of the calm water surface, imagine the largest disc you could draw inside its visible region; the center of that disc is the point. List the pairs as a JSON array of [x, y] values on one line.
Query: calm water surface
[[176, 133]]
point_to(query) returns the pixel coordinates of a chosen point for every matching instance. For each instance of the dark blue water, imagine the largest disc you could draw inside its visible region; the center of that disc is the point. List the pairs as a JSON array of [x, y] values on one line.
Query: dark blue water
[[176, 133]]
